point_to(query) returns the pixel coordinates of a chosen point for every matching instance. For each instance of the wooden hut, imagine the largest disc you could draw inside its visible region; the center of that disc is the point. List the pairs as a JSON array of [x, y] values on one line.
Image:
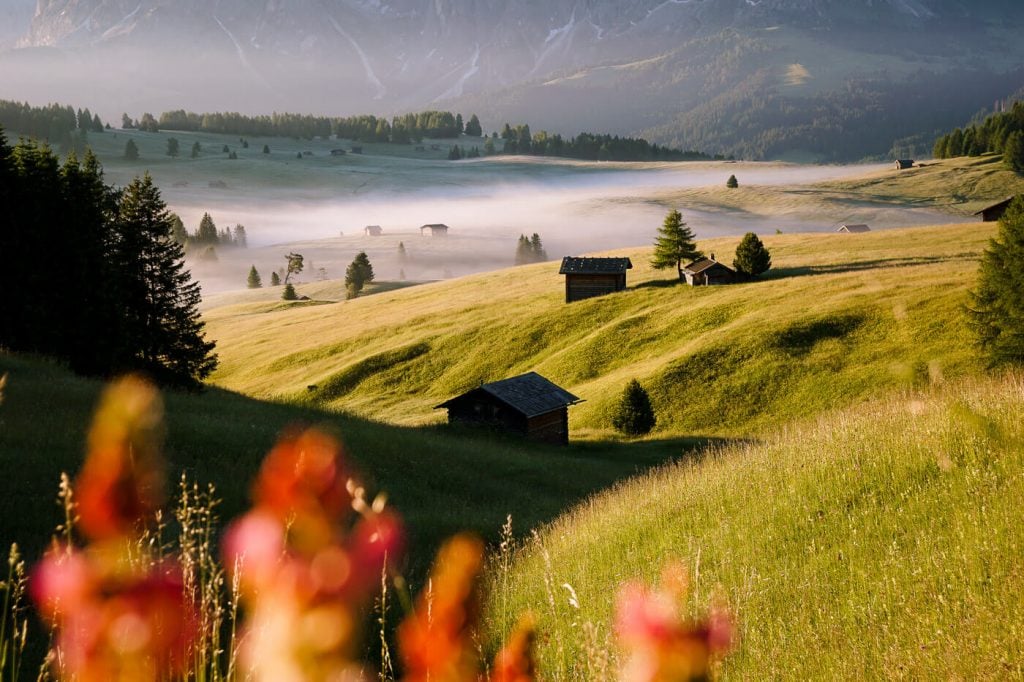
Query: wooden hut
[[590, 277], [373, 230], [992, 213], [903, 164], [853, 229], [708, 271], [436, 229], [528, 405]]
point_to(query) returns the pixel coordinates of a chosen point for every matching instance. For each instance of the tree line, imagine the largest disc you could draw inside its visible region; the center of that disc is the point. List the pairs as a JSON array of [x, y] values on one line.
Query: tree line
[[59, 124], [92, 274], [590, 147], [367, 128], [1000, 133]]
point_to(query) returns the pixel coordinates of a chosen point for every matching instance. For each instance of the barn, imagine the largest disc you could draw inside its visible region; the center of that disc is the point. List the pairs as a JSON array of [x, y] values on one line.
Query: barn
[[708, 271], [853, 229], [528, 405], [590, 277], [435, 229], [992, 213]]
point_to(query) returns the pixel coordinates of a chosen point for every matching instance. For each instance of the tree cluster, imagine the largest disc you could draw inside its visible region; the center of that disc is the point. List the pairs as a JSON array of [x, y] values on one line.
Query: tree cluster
[[358, 274], [92, 274], [530, 250], [1000, 133], [60, 125], [207, 235], [590, 147], [368, 128]]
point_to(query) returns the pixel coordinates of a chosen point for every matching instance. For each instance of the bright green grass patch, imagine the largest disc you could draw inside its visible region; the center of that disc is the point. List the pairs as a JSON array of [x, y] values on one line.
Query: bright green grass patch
[[872, 312], [882, 541]]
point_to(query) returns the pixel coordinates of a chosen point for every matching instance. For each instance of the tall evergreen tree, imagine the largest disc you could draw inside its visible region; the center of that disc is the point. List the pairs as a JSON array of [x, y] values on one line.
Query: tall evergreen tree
[[674, 244], [358, 274], [163, 334], [240, 237], [1013, 152], [473, 127], [634, 414], [254, 281], [523, 254], [131, 151], [996, 307], [207, 232], [196, 149], [178, 231], [752, 256], [275, 279], [537, 249], [288, 293]]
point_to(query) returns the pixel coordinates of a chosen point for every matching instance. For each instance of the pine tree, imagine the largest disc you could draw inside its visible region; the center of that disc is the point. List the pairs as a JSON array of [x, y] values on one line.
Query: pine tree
[[458, 124], [131, 151], [996, 308], [163, 333], [523, 254], [537, 249], [752, 257], [358, 274], [634, 414], [178, 231], [289, 293], [675, 243], [196, 149], [1013, 152], [732, 182], [275, 279], [295, 265], [266, 149], [207, 232], [473, 128], [241, 239], [254, 281]]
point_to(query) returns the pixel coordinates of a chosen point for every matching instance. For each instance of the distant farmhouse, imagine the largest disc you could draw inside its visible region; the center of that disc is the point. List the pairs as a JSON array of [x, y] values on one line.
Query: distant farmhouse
[[994, 212], [373, 230], [708, 271], [853, 229], [338, 152], [528, 405], [590, 277], [436, 229], [903, 164]]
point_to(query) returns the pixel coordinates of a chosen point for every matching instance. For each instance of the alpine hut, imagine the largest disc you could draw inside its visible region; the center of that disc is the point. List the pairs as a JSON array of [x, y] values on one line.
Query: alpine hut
[[528, 405], [708, 271], [992, 213], [589, 277], [435, 229], [373, 230], [853, 229]]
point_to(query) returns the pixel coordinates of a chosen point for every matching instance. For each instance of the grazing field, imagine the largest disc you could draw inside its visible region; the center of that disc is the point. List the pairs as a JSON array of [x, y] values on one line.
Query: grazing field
[[870, 312], [881, 541]]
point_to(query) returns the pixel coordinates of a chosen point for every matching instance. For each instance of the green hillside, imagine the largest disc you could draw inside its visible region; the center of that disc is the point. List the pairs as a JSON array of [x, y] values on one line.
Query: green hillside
[[876, 542], [871, 312]]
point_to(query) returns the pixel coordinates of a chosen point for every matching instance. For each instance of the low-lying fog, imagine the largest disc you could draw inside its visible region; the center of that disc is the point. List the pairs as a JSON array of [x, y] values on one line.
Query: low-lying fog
[[574, 209]]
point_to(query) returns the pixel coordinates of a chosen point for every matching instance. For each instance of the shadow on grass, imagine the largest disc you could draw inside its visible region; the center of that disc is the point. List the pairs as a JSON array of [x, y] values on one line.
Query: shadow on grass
[[860, 266], [659, 284]]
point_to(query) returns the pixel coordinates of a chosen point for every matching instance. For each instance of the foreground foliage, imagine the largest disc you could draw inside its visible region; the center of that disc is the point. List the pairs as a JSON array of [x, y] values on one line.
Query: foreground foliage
[[996, 306]]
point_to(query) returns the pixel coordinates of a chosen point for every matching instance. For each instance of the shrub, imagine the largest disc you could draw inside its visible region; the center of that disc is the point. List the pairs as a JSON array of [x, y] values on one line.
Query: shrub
[[732, 182], [289, 293]]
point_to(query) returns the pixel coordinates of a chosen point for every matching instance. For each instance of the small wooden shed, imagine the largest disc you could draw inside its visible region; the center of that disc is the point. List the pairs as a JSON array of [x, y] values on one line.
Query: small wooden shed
[[373, 230], [436, 229], [590, 277], [903, 164], [708, 271], [853, 229], [528, 405], [992, 213]]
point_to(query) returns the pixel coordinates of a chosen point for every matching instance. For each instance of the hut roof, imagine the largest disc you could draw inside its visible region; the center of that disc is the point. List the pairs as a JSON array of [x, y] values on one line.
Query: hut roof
[[434, 226], [1005, 202], [699, 266], [854, 228], [529, 394], [594, 266]]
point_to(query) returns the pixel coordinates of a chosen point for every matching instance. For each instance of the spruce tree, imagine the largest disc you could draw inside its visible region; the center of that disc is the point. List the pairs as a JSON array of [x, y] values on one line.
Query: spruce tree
[[178, 231], [162, 332], [241, 239], [537, 249], [996, 307], [266, 149], [634, 415], [275, 279], [289, 293], [358, 274], [674, 244], [172, 147], [254, 281], [752, 257], [207, 232], [131, 151], [473, 128], [732, 182], [1013, 152], [196, 149], [522, 250]]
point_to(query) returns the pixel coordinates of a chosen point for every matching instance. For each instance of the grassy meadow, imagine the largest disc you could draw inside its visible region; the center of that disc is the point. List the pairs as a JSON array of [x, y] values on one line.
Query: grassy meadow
[[872, 312], [880, 541]]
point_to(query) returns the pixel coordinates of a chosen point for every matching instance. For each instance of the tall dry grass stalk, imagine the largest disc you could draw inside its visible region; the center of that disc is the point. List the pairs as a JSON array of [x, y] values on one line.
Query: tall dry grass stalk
[[13, 616]]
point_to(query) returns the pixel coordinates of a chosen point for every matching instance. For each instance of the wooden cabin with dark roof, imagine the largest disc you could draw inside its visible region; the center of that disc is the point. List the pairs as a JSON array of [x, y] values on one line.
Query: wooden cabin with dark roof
[[590, 277], [903, 164], [528, 405], [436, 229], [991, 214], [708, 271], [853, 229]]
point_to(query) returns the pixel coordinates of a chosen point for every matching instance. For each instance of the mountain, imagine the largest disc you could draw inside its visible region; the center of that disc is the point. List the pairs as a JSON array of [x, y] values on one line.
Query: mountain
[[658, 67]]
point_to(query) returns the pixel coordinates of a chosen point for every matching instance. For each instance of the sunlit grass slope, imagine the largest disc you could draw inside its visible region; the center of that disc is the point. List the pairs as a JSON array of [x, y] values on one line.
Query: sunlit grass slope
[[441, 481], [839, 319], [882, 541]]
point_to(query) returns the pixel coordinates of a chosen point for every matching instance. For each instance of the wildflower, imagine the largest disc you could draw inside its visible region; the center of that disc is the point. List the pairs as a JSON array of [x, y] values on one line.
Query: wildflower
[[436, 641], [514, 663], [661, 645]]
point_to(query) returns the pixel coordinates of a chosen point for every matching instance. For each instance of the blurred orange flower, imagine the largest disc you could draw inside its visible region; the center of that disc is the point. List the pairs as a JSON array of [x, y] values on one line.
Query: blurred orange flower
[[436, 641], [515, 663]]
